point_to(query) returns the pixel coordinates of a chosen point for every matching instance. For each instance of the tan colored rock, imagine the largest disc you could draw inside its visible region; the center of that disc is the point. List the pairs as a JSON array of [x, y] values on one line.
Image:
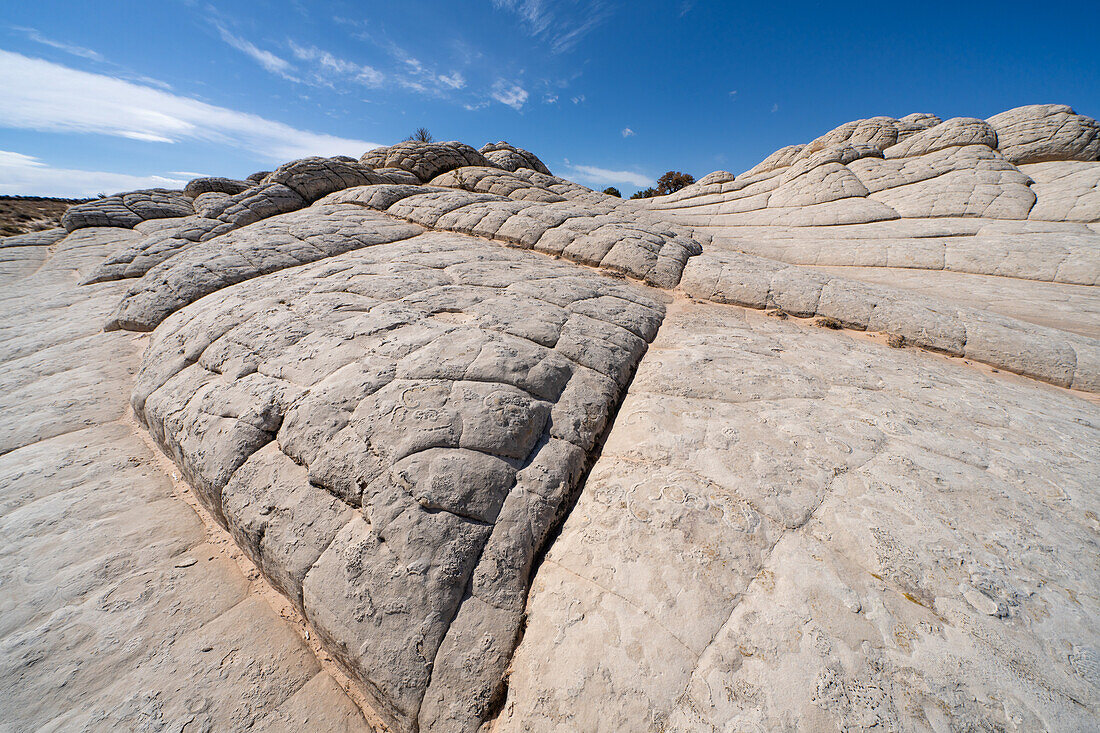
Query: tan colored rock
[[1065, 190], [730, 567], [1042, 132], [956, 131]]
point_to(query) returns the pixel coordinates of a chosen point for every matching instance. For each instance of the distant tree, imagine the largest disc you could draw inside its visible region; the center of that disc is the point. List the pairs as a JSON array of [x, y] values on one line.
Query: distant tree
[[673, 181], [421, 135], [612, 191], [645, 193]]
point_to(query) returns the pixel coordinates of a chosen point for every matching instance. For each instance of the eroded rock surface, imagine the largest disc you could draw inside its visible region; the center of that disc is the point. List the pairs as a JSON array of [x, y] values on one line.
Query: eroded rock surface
[[390, 434], [388, 379], [787, 530], [118, 610], [128, 209]]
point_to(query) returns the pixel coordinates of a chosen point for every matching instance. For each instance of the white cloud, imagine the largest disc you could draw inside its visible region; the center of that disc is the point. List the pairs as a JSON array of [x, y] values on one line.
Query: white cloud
[[40, 95], [560, 28], [26, 175], [733, 93], [510, 94], [70, 48], [266, 59], [551, 99], [454, 81], [328, 68], [578, 99], [627, 132], [775, 107], [602, 176]]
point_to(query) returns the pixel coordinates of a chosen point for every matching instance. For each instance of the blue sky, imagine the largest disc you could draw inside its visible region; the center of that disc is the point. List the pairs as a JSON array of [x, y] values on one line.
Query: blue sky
[[101, 97]]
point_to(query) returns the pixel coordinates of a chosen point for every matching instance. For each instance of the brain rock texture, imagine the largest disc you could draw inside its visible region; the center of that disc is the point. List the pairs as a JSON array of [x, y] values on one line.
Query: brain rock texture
[[523, 453]]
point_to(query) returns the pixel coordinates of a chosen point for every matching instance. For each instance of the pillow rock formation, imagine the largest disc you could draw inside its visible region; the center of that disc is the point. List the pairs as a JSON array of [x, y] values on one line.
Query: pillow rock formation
[[812, 447]]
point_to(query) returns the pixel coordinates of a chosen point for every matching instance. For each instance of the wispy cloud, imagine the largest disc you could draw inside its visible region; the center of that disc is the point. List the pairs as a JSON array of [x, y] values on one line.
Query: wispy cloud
[[268, 60], [603, 176], [70, 48], [560, 24], [775, 107], [627, 132], [577, 99], [509, 93], [328, 69], [454, 80], [27, 175], [41, 95]]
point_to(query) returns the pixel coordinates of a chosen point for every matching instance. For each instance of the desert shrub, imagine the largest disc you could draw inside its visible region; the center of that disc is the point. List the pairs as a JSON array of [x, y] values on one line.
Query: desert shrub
[[646, 193], [673, 181], [612, 191], [421, 135]]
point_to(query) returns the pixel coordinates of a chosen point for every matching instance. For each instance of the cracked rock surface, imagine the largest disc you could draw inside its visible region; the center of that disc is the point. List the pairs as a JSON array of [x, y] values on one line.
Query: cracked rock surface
[[517, 455], [790, 531], [390, 434]]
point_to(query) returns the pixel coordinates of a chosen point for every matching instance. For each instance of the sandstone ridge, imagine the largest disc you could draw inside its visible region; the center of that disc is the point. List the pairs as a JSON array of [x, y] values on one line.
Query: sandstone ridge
[[525, 456]]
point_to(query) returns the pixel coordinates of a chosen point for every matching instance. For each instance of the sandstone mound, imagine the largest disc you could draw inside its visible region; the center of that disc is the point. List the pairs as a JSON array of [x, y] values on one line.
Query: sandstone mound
[[523, 455]]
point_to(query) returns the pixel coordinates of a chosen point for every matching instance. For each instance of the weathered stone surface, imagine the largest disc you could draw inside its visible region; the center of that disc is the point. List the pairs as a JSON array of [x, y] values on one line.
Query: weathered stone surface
[[118, 611], [949, 133], [390, 394], [497, 182], [644, 248], [289, 188], [912, 124], [128, 209], [986, 191], [878, 133], [425, 160], [214, 184], [1065, 190], [787, 530], [1043, 353], [313, 178], [267, 246], [391, 434], [511, 158], [1042, 132]]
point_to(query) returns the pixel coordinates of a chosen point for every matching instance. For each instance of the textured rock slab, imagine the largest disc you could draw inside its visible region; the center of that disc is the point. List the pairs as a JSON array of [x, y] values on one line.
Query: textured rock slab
[[641, 247], [424, 160], [957, 131], [1042, 132], [215, 184], [1061, 358], [391, 434], [128, 209], [290, 187], [115, 611], [774, 537], [1072, 308], [1065, 190], [267, 246], [1051, 253], [511, 158]]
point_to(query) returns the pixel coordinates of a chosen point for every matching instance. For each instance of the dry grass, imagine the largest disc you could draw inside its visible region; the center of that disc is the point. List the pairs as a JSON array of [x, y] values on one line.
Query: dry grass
[[828, 322], [23, 214]]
